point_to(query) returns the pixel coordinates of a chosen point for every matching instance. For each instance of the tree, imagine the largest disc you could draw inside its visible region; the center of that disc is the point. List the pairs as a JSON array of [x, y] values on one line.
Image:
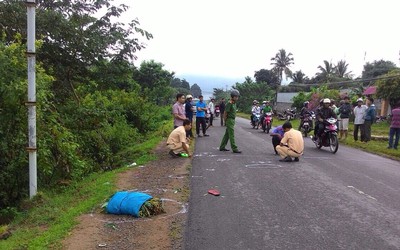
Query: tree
[[155, 81], [74, 38], [195, 90], [327, 71], [267, 76], [282, 62], [250, 91], [340, 69], [377, 68], [220, 93], [299, 77], [389, 88]]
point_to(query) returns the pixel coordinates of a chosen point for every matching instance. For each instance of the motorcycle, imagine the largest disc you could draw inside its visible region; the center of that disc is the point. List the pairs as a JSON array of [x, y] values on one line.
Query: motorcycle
[[290, 114], [256, 121], [217, 111], [307, 123], [329, 137], [267, 122]]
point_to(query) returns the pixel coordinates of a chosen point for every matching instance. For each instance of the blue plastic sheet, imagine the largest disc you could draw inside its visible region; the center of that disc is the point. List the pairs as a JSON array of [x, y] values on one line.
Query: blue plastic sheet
[[125, 202]]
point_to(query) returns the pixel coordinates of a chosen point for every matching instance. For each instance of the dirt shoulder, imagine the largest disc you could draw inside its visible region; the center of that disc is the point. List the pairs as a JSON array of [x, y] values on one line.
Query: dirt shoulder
[[165, 178]]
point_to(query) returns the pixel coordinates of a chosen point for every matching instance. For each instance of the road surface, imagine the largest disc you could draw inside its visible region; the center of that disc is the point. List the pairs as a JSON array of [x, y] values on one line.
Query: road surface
[[347, 200]]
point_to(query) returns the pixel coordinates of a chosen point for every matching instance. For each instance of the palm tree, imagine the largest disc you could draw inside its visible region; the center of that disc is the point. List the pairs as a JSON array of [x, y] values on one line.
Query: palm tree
[[282, 62], [299, 77], [326, 72], [341, 69]]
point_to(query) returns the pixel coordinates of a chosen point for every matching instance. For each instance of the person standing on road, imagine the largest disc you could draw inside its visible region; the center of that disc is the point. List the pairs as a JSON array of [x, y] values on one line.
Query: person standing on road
[[395, 127], [222, 110], [359, 114], [370, 115], [189, 113], [291, 145], [211, 107], [177, 141], [201, 117], [178, 110], [229, 117], [344, 113]]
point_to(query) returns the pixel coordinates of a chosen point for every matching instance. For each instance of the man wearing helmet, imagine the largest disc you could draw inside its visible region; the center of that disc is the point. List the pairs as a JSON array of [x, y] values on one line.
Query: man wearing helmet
[[323, 113], [254, 109], [229, 117], [304, 111]]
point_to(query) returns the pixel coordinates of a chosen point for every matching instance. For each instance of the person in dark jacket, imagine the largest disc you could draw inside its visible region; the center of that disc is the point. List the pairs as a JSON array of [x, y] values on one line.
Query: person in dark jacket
[[189, 113], [222, 110], [323, 113], [370, 115], [345, 111]]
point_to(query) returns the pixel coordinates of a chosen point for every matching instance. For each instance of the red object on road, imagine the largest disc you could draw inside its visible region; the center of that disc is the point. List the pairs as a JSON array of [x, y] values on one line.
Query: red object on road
[[214, 192]]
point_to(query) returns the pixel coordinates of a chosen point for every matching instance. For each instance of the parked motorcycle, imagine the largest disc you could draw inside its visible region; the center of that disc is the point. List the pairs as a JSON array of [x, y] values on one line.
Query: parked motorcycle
[[329, 137], [290, 114], [266, 123], [307, 125]]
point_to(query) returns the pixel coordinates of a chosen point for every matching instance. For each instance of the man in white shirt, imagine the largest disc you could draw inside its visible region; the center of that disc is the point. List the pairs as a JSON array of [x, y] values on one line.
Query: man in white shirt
[[211, 108], [359, 115]]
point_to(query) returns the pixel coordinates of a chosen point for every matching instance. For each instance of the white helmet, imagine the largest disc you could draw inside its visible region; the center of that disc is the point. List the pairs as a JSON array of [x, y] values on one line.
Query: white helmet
[[326, 100], [264, 102], [189, 96]]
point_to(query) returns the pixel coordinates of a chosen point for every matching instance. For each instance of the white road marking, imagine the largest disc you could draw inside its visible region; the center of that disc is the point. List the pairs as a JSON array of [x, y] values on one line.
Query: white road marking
[[263, 165], [221, 160], [210, 169], [362, 193]]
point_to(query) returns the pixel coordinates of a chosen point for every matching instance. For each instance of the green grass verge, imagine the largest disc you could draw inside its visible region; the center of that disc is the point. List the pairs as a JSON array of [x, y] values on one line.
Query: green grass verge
[[378, 147], [51, 215]]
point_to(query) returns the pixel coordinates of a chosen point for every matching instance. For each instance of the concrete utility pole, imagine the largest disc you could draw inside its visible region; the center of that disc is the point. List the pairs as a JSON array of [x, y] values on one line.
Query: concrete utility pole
[[31, 103]]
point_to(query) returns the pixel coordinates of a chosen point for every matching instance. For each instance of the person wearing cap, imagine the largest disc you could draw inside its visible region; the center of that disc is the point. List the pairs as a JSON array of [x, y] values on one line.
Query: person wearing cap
[[370, 115], [178, 110], [323, 113], [291, 145], [359, 119], [189, 113], [229, 117], [211, 108]]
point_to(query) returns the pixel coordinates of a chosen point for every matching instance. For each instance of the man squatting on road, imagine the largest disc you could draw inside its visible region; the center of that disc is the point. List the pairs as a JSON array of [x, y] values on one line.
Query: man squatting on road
[[292, 144], [177, 141]]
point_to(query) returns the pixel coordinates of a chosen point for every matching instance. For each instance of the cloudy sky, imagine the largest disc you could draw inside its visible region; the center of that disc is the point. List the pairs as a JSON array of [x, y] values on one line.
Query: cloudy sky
[[234, 38]]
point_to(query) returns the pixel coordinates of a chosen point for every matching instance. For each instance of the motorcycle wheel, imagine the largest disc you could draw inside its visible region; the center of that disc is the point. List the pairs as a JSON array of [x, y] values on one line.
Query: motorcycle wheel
[[263, 126], [334, 143], [268, 128]]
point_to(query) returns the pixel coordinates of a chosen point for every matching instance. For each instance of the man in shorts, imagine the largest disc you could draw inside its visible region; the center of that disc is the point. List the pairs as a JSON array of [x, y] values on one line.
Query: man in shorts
[[344, 112]]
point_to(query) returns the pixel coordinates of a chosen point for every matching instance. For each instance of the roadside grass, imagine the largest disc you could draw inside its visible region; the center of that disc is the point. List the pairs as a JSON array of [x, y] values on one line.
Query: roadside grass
[[49, 217], [378, 147]]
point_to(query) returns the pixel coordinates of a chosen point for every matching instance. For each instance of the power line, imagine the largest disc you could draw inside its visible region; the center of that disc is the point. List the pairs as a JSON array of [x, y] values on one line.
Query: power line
[[344, 82]]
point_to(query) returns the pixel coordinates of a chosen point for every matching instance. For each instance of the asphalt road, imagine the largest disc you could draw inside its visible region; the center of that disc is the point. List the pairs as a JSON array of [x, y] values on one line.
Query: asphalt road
[[347, 200]]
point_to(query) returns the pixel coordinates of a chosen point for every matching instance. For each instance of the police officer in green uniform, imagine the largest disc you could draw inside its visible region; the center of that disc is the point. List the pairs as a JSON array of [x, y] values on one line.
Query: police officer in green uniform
[[229, 117]]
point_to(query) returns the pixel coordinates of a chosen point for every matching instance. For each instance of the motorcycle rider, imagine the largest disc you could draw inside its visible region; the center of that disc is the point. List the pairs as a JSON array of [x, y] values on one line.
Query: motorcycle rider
[[323, 113], [255, 111], [252, 108], [304, 111]]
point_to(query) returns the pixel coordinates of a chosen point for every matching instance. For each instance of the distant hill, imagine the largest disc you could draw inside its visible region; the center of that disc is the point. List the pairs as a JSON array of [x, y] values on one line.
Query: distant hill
[[208, 83]]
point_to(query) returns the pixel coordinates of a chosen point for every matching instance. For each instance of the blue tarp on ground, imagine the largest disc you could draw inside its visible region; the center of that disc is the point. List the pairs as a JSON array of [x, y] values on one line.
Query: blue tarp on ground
[[126, 202]]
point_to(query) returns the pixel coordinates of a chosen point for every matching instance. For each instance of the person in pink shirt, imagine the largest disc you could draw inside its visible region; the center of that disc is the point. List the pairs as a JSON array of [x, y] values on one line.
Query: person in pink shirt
[[178, 110], [395, 127]]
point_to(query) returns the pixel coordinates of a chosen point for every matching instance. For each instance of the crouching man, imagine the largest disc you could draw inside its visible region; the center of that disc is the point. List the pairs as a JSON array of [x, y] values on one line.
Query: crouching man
[[177, 141], [292, 144], [277, 134]]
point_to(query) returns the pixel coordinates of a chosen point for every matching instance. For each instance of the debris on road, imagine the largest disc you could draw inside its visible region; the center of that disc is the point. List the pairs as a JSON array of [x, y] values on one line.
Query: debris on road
[[214, 192]]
